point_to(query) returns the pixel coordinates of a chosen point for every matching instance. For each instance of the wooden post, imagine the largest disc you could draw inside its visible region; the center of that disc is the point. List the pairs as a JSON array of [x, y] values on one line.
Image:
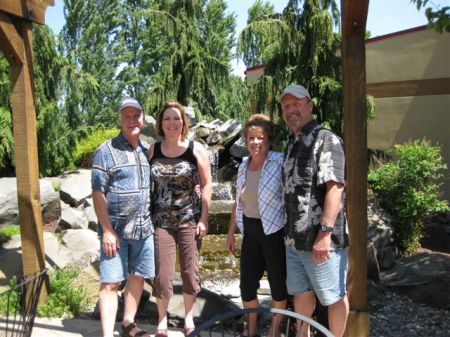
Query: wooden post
[[16, 44], [354, 17]]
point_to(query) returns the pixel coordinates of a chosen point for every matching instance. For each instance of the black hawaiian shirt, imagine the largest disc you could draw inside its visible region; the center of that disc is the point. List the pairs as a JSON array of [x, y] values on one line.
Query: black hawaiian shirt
[[313, 157]]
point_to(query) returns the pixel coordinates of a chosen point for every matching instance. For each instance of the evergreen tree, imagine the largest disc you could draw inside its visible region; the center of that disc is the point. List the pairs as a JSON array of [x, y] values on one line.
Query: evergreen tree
[[89, 42], [199, 38], [6, 135], [297, 46], [56, 141]]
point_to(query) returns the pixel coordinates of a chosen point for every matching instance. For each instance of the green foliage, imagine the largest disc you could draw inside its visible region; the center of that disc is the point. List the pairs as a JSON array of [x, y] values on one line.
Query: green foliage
[[89, 43], [56, 185], [408, 189], [438, 18], [7, 232], [64, 297], [13, 298], [303, 31], [6, 135], [6, 140], [197, 37], [56, 140], [86, 147]]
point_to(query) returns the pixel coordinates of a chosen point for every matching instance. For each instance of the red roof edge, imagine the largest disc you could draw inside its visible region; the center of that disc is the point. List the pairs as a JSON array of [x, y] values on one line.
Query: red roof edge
[[401, 32], [259, 66]]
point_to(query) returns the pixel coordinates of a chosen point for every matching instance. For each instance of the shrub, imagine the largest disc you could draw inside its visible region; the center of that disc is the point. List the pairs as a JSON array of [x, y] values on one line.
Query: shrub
[[64, 298], [12, 299], [56, 185], [7, 232], [408, 189], [86, 147]]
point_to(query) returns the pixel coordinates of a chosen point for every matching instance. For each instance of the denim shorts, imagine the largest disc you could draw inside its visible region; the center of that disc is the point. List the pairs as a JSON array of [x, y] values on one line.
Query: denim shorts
[[135, 257], [326, 279]]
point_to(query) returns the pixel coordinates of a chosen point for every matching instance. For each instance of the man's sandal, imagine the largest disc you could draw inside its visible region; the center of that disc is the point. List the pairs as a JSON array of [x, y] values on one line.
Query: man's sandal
[[132, 330]]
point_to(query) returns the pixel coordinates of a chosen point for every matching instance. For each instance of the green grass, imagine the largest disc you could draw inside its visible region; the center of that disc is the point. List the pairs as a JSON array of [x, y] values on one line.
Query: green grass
[[7, 232]]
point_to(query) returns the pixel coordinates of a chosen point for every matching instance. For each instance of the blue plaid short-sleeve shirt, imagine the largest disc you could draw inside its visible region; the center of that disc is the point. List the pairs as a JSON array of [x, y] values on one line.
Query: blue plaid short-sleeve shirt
[[122, 173]]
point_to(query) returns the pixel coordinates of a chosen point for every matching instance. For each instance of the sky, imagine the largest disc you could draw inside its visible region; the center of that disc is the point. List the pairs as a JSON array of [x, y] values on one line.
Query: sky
[[384, 17]]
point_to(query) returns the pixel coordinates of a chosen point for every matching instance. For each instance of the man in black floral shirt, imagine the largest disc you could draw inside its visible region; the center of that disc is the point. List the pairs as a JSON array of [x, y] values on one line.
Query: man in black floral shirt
[[316, 233]]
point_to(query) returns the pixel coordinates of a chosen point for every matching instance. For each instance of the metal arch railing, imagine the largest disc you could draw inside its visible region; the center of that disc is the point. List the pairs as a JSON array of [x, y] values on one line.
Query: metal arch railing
[[21, 305], [226, 324]]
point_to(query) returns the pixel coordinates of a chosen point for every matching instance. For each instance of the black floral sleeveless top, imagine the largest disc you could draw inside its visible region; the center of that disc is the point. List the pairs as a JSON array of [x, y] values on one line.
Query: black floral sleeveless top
[[175, 204]]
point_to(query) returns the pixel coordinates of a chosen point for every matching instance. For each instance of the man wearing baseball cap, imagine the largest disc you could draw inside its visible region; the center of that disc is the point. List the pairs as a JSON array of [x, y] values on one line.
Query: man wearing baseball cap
[[316, 228], [121, 196]]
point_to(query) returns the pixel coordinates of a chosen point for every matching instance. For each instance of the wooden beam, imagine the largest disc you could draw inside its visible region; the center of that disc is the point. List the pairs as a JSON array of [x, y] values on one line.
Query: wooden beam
[[10, 41], [25, 146], [435, 86], [354, 17], [31, 10]]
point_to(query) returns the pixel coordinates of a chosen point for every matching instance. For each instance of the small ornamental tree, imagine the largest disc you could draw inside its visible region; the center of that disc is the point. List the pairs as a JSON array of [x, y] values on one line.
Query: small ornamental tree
[[408, 189]]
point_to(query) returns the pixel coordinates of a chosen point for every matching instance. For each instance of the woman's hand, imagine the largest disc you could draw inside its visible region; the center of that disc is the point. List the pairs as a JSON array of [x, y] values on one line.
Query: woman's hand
[[198, 190], [231, 242], [202, 229]]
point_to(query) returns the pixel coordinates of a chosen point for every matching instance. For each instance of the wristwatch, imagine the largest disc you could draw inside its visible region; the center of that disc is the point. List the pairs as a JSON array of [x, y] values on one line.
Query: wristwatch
[[325, 228]]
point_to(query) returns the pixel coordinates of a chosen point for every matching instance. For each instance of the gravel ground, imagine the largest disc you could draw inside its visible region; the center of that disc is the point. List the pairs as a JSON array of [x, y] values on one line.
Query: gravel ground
[[397, 315], [391, 314]]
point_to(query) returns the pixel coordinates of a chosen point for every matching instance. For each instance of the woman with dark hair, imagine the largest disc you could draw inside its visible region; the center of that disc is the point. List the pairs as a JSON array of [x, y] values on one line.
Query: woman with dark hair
[[258, 213], [180, 214]]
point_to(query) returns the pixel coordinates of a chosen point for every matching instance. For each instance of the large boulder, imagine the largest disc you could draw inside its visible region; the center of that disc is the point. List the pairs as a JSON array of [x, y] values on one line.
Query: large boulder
[[84, 245], [9, 211], [90, 215], [149, 133], [239, 149], [423, 276], [380, 233], [72, 218], [76, 187]]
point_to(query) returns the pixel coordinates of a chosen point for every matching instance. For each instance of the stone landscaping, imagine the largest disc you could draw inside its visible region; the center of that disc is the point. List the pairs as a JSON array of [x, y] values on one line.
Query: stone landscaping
[[420, 281]]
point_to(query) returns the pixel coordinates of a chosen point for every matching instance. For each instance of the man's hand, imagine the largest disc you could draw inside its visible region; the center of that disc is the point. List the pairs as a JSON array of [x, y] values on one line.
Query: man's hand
[[202, 229], [111, 243], [321, 247]]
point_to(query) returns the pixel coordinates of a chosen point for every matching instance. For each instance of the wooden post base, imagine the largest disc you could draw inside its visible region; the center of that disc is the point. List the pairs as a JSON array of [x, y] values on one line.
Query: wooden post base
[[357, 324]]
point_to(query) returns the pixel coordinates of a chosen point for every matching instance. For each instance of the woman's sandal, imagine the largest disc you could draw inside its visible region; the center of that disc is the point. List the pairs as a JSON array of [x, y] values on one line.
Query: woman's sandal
[[188, 331], [162, 333], [133, 328]]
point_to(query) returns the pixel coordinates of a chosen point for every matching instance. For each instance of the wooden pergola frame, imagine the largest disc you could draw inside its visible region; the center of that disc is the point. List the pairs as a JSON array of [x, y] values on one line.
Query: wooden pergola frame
[[16, 18]]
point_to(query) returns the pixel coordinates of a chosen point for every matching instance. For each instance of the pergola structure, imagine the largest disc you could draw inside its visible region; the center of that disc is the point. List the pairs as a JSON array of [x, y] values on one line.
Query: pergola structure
[[16, 18], [16, 23]]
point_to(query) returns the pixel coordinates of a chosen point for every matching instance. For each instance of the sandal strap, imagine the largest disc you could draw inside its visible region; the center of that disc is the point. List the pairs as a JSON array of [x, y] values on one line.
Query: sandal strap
[[126, 331]]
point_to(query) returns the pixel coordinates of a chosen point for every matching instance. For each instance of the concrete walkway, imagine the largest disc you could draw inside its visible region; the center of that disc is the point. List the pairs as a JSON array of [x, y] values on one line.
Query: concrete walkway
[[57, 327]]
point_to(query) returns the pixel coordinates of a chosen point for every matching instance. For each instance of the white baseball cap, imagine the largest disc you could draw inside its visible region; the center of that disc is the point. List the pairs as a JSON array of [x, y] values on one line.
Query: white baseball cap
[[130, 102], [295, 90]]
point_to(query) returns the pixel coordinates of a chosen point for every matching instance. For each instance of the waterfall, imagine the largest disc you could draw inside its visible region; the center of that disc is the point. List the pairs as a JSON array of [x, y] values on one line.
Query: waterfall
[[213, 155]]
